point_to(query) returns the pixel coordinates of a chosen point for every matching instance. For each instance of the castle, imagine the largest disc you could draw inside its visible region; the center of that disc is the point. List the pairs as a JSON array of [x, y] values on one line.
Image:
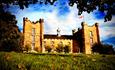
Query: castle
[[80, 41]]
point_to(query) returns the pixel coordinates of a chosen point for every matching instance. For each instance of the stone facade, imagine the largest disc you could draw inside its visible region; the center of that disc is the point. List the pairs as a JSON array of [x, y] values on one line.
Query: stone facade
[[33, 34], [80, 42]]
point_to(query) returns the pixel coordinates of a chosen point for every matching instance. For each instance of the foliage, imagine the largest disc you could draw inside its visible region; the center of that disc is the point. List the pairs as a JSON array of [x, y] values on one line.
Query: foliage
[[40, 61], [10, 36], [88, 6], [23, 3], [48, 48], [106, 6], [66, 48], [103, 48], [60, 47], [28, 47]]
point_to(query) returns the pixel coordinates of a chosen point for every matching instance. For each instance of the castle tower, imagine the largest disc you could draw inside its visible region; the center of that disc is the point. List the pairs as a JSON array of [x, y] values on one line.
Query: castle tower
[[90, 36], [33, 34]]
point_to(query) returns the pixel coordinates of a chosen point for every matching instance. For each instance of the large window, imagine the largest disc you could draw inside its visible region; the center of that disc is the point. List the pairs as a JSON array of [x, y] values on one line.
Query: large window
[[60, 44], [91, 41], [33, 38], [91, 34], [52, 44], [44, 43]]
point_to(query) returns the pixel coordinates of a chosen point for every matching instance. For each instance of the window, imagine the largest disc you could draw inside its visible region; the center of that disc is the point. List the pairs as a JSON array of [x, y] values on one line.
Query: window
[[33, 35], [52, 44], [91, 38], [60, 44], [69, 43], [33, 45], [91, 41], [44, 43], [33, 31], [91, 34], [33, 38]]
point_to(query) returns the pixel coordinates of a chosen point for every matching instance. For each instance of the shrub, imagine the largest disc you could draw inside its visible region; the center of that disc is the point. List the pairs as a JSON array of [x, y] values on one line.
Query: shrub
[[66, 48], [59, 48], [28, 48], [103, 48], [48, 48]]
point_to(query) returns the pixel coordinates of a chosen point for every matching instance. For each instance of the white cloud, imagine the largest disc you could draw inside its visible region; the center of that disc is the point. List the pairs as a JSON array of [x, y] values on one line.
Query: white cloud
[[66, 23]]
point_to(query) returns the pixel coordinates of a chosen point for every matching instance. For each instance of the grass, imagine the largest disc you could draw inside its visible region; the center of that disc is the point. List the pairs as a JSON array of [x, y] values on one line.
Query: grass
[[43, 61]]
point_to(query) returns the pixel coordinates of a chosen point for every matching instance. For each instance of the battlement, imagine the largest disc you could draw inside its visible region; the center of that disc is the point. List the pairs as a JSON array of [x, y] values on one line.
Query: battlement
[[25, 19], [85, 24]]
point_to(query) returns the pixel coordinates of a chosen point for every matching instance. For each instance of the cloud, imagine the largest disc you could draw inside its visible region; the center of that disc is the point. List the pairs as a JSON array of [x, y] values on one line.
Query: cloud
[[62, 16]]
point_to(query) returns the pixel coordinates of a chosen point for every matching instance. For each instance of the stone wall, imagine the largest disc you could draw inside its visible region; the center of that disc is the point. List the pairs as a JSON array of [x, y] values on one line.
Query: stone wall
[[31, 29], [90, 36]]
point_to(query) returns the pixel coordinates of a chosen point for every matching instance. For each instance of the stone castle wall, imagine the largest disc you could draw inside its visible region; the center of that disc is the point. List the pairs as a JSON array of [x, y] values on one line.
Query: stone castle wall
[[90, 36], [80, 41], [28, 30]]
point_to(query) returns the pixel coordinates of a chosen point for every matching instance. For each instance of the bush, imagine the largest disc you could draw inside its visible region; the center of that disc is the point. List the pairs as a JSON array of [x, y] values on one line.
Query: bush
[[66, 48], [59, 48], [103, 48], [48, 48], [28, 48]]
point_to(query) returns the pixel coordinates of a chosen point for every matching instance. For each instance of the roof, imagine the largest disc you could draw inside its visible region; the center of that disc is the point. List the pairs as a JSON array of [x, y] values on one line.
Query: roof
[[48, 36]]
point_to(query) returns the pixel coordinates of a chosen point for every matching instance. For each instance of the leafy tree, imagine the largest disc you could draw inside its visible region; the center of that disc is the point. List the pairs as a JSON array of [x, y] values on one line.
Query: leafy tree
[[91, 5], [107, 6], [103, 48], [10, 36], [23, 3]]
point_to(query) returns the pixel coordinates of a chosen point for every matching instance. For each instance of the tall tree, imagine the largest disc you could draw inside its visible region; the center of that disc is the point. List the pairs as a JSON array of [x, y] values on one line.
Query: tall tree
[[10, 36]]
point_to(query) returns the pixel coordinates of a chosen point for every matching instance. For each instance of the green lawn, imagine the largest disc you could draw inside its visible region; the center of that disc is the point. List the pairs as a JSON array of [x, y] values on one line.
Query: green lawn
[[40, 61]]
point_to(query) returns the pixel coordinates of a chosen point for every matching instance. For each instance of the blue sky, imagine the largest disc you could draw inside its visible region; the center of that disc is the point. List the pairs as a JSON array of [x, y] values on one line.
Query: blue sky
[[62, 16]]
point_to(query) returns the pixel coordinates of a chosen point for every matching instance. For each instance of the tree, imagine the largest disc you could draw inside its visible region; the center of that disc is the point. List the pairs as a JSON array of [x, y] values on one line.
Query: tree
[[107, 6], [103, 48], [91, 5], [23, 3], [10, 36]]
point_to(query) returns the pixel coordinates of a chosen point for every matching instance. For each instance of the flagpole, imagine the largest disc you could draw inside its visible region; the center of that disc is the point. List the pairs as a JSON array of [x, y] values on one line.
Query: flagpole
[[83, 18]]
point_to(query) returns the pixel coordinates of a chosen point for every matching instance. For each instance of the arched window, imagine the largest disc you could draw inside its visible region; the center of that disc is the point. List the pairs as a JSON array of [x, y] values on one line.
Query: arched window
[[91, 34], [91, 38], [60, 44], [69, 43], [44, 42], [52, 44], [91, 41], [33, 38]]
